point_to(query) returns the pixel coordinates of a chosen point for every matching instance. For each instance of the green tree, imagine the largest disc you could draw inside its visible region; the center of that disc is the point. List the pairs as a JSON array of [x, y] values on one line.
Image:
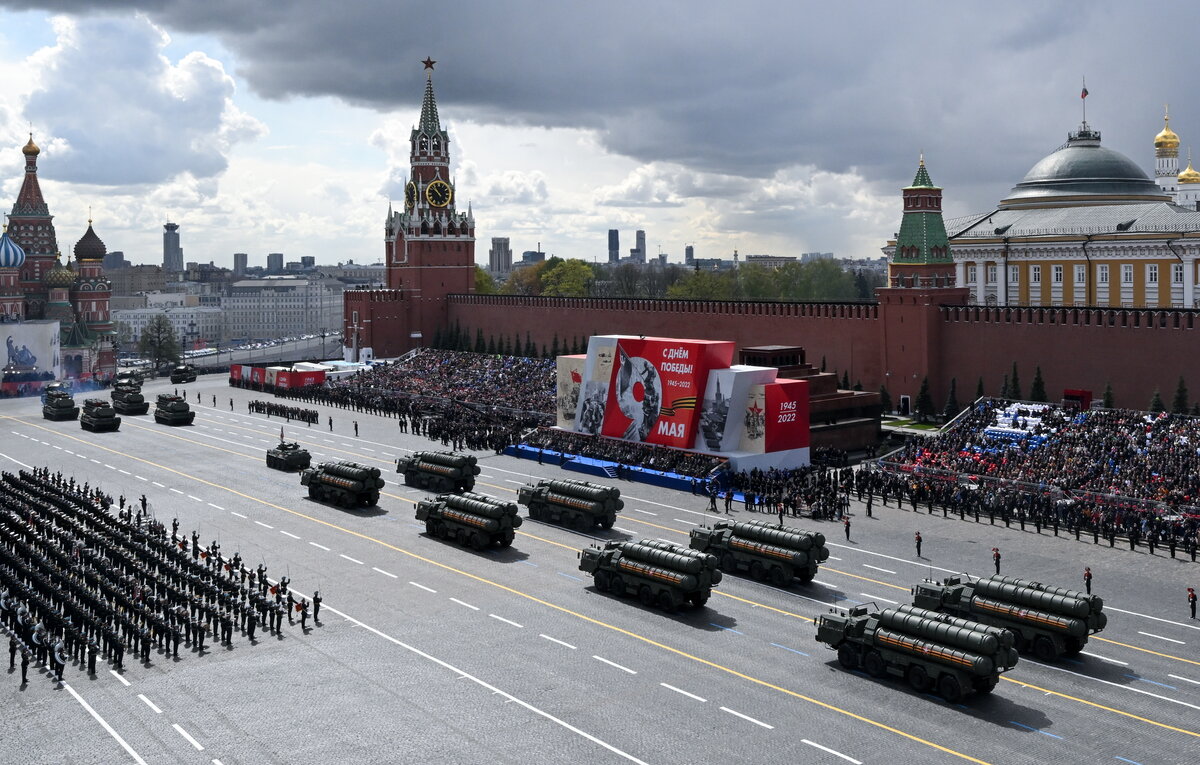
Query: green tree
[[845, 381], [516, 346], [480, 344], [979, 389], [437, 338], [491, 346], [1037, 390], [568, 278], [1014, 384], [885, 399], [952, 408], [858, 385], [924, 405], [484, 283], [158, 342], [526, 280], [530, 348], [1196, 409], [703, 285], [1156, 403], [822, 363], [554, 351], [757, 282], [1004, 390], [1179, 405], [1107, 400]]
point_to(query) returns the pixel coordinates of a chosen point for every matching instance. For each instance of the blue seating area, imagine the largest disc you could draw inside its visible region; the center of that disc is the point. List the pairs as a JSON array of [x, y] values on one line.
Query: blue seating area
[[602, 468]]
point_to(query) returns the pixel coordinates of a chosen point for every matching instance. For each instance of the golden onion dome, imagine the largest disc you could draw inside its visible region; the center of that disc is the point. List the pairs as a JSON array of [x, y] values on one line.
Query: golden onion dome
[[1189, 175], [1167, 138], [59, 275], [31, 149]]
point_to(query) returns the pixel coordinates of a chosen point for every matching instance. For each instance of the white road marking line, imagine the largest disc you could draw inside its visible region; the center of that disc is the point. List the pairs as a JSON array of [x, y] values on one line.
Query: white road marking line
[[834, 557], [159, 485], [365, 449], [110, 467], [680, 520], [188, 736], [1115, 685], [509, 480], [685, 693], [636, 509], [831, 751], [59, 448], [217, 762], [385, 573], [507, 621], [323, 547], [126, 472], [288, 533], [423, 587], [751, 719], [1160, 637], [150, 704], [177, 491], [614, 664], [1104, 658], [876, 597], [1185, 679], [1148, 616], [352, 560], [68, 451], [463, 603], [239, 515], [96, 716], [264, 525], [877, 568], [210, 504], [98, 462], [624, 531], [124, 682], [556, 640], [923, 564], [140, 478], [195, 498]]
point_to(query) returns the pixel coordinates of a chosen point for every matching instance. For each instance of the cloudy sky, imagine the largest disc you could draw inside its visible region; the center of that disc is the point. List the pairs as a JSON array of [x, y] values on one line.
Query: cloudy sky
[[769, 127]]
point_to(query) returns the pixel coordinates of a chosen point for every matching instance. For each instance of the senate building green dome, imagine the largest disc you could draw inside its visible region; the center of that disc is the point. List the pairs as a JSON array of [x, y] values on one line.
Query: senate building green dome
[[1082, 172]]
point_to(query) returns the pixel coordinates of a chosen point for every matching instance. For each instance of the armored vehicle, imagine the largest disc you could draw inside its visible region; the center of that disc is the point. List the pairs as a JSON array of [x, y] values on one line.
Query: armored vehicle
[[346, 484], [439, 471], [288, 455], [578, 504], [129, 376], [55, 388], [58, 405], [183, 373], [98, 416], [473, 519], [1049, 621], [659, 573], [933, 651], [127, 398], [172, 410], [763, 549]]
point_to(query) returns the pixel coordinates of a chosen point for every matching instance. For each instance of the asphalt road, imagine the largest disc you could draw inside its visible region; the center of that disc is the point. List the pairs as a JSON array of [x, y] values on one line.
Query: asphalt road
[[429, 652]]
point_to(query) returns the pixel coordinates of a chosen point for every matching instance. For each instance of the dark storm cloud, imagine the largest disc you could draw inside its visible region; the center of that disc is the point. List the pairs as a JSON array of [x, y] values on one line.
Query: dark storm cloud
[[744, 89]]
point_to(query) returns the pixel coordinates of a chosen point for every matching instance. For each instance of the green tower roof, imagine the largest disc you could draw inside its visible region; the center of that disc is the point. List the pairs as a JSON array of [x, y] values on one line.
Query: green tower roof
[[922, 238]]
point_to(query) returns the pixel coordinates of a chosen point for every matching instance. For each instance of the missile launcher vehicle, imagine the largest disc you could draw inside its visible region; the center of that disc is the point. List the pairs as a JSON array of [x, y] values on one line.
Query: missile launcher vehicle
[[98, 416], [55, 388], [288, 455], [183, 373], [765, 550], [1047, 621], [475, 520], [127, 398], [58, 405], [439, 471], [345, 484], [659, 573], [172, 410], [578, 504], [931, 650]]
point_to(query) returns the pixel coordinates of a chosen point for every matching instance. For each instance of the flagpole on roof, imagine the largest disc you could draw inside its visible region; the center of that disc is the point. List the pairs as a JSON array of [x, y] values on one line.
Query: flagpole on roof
[[1083, 97]]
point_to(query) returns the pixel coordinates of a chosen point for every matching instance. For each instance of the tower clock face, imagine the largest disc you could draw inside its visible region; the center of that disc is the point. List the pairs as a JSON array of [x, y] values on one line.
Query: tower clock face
[[410, 196], [439, 193]]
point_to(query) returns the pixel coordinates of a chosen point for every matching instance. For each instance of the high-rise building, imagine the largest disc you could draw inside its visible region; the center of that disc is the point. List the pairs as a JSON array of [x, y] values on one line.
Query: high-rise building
[[638, 253], [689, 254], [172, 252], [614, 245], [308, 262], [500, 256], [239, 263], [274, 262]]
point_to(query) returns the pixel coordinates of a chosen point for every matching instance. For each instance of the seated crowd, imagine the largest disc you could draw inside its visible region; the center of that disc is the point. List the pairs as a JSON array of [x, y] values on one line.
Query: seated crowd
[[623, 452]]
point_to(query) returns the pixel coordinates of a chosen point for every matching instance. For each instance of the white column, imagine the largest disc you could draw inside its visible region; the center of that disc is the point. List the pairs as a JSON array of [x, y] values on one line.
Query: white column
[[1001, 283], [1189, 281], [960, 274]]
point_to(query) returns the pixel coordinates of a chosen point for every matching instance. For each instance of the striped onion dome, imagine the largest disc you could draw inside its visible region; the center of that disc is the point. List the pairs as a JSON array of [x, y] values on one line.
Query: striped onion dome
[[11, 254]]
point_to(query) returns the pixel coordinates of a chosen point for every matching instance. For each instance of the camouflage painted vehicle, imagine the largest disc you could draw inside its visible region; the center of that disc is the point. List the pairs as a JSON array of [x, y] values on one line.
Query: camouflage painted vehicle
[[765, 550], [439, 471], [475, 520], [288, 455], [55, 388], [127, 398], [345, 484], [58, 405], [932, 651], [659, 573], [98, 416], [1047, 621], [183, 373], [578, 504], [172, 410]]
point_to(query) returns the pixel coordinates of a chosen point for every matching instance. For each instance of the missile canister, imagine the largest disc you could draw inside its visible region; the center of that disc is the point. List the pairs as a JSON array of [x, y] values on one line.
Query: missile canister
[[763, 549], [578, 504], [346, 484], [476, 520], [659, 573], [439, 471]]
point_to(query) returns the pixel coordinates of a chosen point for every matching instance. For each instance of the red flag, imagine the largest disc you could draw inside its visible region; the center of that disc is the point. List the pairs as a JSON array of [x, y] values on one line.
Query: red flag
[[275, 589], [299, 607], [1084, 94], [576, 377]]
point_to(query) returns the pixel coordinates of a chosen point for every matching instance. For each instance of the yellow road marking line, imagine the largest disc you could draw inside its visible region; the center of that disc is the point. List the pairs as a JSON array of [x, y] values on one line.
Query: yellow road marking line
[[1101, 706], [1147, 650]]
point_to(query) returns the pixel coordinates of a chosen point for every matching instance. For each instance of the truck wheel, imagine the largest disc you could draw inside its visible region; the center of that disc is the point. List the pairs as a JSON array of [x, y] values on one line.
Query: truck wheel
[[949, 688], [985, 684], [507, 539], [757, 570], [580, 522], [479, 540], [603, 581], [616, 585], [1044, 649], [848, 656], [728, 563], [873, 664], [779, 577], [666, 601], [312, 492], [917, 678], [608, 520], [699, 599], [806, 576], [1074, 645], [430, 528], [646, 595], [443, 531]]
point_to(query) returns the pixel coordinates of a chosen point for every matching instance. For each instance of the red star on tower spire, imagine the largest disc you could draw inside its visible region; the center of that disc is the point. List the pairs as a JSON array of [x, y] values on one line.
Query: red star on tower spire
[[428, 62]]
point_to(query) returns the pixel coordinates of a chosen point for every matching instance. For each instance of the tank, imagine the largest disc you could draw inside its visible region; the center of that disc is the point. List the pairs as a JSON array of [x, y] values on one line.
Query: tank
[[58, 387], [127, 398], [98, 416], [1047, 621], [183, 373], [578, 504], [659, 573], [58, 405], [439, 471], [475, 520], [766, 551], [931, 650], [345, 484], [172, 410], [288, 455]]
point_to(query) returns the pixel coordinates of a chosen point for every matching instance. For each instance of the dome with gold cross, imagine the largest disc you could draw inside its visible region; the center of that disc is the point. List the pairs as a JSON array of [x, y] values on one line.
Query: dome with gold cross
[[1167, 139]]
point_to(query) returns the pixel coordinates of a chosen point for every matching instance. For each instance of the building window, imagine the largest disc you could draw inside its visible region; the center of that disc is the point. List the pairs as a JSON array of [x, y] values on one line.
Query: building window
[[1035, 274], [970, 274], [1057, 274], [1102, 273], [1080, 274], [1014, 275], [991, 274], [1126, 273], [1176, 273], [1152, 273]]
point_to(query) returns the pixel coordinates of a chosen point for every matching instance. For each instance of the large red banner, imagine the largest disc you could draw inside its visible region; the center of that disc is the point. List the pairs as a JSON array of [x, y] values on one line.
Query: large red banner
[[656, 386], [258, 375], [786, 415], [235, 372]]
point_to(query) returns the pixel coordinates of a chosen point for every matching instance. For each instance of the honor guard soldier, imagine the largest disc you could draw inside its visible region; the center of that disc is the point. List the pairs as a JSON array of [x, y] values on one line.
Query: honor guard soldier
[[317, 606], [1192, 600], [303, 607], [917, 540], [996, 558], [291, 605], [1087, 579]]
